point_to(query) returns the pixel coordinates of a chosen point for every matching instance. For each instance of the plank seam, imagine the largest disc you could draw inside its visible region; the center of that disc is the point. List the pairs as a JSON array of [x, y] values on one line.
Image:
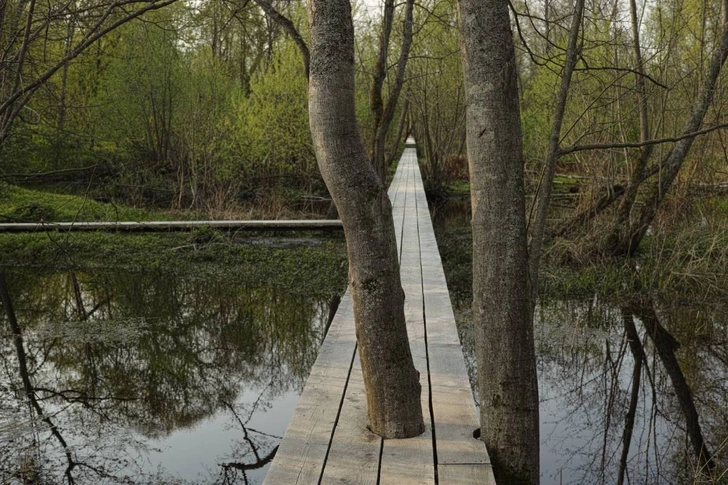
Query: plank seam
[[404, 217], [338, 414], [379, 464], [427, 349], [475, 463]]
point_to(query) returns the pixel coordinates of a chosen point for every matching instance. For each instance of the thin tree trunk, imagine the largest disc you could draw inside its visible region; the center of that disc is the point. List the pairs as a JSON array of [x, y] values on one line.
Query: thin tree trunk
[[390, 378], [400, 134], [379, 74], [290, 29], [543, 197], [501, 297], [621, 227]]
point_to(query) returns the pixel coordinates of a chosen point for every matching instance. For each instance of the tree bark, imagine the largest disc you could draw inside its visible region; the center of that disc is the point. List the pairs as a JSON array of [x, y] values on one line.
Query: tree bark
[[390, 378], [501, 296]]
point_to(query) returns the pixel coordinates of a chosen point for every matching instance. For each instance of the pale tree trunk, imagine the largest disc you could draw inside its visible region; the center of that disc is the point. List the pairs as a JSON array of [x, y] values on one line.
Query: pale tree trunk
[[391, 380], [501, 296], [640, 166]]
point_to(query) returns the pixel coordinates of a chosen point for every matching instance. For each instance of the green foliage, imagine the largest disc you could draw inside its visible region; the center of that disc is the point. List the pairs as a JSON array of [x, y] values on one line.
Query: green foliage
[[274, 119]]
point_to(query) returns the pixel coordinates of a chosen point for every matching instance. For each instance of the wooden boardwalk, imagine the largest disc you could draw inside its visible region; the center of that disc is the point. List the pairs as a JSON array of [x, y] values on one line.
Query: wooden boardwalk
[[327, 442]]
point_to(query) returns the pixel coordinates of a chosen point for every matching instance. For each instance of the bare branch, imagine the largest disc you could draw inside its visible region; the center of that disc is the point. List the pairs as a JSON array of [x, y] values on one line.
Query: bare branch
[[658, 141], [289, 28]]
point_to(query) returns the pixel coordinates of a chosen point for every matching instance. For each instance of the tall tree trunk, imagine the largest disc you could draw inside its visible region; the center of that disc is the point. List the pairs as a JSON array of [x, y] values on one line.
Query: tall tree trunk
[[620, 230], [391, 380], [501, 297], [401, 134]]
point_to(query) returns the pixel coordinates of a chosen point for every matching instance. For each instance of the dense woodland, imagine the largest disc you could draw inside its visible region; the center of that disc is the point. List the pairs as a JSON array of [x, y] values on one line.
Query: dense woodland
[[203, 105]]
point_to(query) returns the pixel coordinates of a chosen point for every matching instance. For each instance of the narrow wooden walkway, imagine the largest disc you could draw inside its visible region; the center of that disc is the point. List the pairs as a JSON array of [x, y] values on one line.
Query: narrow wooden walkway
[[327, 441]]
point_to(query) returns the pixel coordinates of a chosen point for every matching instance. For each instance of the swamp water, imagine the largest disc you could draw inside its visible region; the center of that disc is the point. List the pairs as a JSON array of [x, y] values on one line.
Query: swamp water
[[146, 377], [650, 372], [151, 377]]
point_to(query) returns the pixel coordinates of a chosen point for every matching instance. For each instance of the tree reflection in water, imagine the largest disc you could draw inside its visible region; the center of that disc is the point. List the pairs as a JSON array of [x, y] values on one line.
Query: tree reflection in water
[[633, 394], [103, 376]]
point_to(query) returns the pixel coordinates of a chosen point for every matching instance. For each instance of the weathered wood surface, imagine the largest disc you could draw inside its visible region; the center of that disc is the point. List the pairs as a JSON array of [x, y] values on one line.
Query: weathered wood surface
[[327, 440], [157, 226]]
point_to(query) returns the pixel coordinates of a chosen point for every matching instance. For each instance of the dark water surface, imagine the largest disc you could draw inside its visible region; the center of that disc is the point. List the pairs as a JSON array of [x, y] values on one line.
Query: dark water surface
[[148, 377], [646, 371], [111, 377]]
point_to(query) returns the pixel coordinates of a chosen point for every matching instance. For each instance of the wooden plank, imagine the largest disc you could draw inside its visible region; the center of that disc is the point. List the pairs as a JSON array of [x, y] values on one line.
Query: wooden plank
[[411, 461], [453, 407], [400, 199], [466, 474], [302, 452], [156, 226], [354, 454]]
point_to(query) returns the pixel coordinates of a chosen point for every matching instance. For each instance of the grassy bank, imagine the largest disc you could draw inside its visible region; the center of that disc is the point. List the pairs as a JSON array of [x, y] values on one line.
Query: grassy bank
[[290, 261], [19, 204], [306, 259]]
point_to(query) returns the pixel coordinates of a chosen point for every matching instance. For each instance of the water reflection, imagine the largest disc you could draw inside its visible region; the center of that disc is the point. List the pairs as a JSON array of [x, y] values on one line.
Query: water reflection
[[148, 378], [633, 393]]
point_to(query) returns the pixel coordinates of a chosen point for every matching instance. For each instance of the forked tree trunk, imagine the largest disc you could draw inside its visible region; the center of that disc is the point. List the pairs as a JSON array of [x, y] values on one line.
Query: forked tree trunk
[[391, 381], [501, 296], [383, 115]]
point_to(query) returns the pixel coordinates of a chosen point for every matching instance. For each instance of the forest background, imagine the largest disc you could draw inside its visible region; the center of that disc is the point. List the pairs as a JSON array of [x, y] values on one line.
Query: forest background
[[199, 109]]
